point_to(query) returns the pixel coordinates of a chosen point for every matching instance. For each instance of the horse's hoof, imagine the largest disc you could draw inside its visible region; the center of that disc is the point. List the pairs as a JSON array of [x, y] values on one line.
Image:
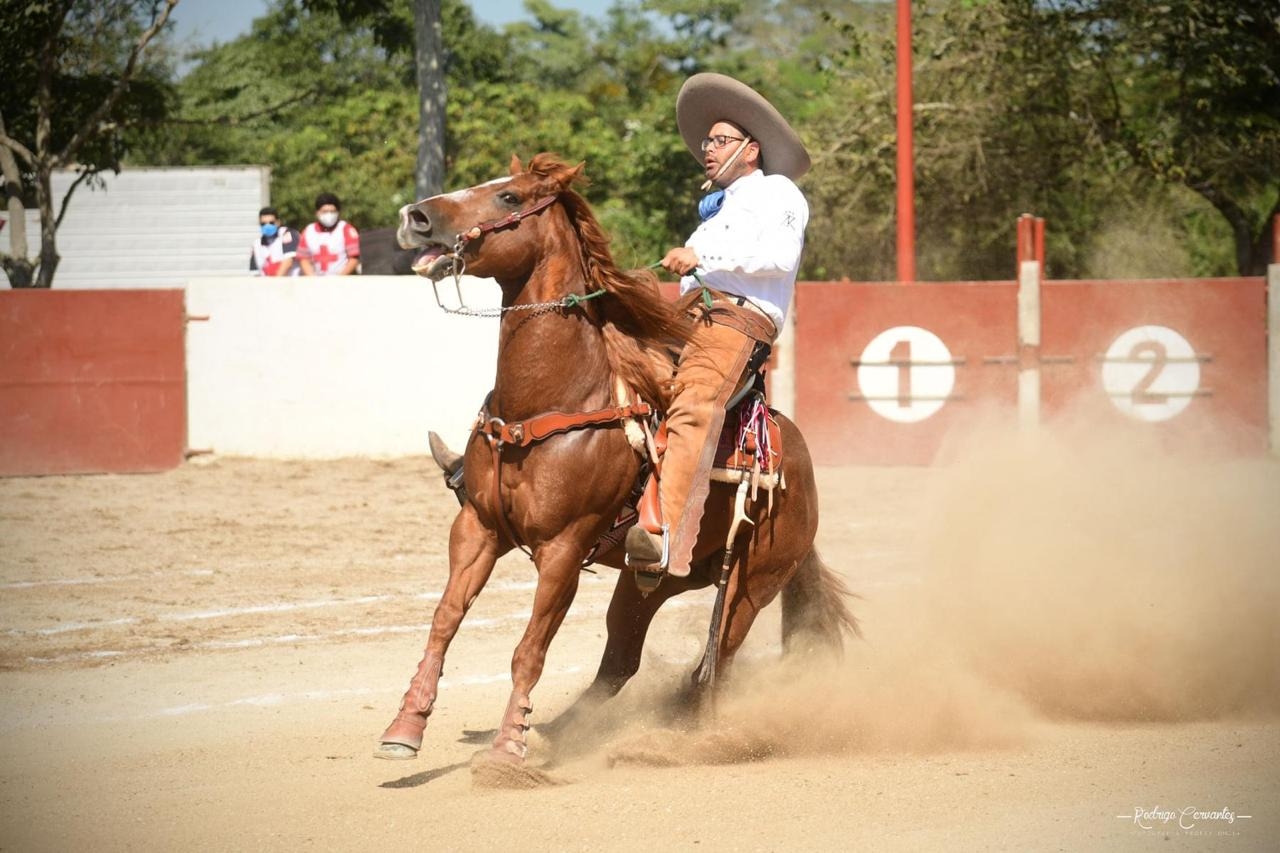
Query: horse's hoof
[[494, 755], [498, 768], [395, 752]]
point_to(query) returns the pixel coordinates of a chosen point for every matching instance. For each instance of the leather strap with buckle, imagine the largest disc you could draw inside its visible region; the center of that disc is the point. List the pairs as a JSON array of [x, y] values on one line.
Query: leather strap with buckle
[[526, 432]]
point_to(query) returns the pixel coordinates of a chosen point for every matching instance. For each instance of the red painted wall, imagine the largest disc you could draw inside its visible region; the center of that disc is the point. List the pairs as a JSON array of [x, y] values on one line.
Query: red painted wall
[[1197, 384], [1223, 322], [92, 381], [976, 323]]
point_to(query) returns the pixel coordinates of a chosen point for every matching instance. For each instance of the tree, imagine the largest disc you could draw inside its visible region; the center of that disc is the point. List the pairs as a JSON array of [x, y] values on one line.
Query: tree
[[76, 79], [1088, 112], [428, 58], [386, 20], [1189, 92]]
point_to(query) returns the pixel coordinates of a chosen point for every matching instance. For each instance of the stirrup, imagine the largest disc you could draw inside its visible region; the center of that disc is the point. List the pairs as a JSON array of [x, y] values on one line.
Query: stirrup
[[649, 575], [454, 482], [659, 567]]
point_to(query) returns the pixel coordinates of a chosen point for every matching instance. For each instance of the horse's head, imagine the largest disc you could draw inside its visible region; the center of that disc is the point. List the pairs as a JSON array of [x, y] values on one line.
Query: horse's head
[[494, 227]]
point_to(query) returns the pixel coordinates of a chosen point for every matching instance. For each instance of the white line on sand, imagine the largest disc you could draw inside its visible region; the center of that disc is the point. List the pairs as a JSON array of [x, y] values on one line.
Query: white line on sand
[[148, 576], [268, 700]]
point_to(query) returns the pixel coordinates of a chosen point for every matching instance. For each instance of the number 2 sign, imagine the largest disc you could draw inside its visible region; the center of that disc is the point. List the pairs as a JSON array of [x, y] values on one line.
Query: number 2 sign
[[1151, 373]]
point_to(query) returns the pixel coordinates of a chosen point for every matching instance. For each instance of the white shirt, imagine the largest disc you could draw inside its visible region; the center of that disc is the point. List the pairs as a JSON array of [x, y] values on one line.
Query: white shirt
[[752, 246]]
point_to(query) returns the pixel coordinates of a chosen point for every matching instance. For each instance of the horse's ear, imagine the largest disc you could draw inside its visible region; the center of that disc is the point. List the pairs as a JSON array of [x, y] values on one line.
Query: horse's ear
[[516, 166], [577, 171]]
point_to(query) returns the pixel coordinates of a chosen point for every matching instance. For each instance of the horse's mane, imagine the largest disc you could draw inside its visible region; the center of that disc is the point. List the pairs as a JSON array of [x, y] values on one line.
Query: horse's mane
[[640, 327]]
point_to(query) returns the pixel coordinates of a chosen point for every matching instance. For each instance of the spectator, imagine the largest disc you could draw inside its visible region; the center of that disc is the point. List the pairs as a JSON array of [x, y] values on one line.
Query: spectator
[[275, 252], [330, 245]]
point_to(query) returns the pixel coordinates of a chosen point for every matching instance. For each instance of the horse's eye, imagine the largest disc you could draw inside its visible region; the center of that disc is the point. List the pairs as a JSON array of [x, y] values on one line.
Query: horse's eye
[[508, 198]]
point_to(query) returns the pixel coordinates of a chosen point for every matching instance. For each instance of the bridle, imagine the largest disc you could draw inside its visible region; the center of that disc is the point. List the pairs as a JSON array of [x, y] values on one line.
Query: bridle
[[475, 232], [458, 265]]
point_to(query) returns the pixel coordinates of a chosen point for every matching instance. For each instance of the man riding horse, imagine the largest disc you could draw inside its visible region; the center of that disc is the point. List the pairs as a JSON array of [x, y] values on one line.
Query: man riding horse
[[555, 454], [746, 254]]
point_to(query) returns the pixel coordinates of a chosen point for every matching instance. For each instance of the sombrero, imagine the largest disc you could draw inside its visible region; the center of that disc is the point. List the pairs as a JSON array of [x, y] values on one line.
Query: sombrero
[[707, 98]]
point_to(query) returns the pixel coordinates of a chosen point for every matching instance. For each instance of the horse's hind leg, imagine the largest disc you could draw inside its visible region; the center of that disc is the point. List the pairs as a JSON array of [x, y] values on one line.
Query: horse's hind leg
[[473, 550], [745, 597], [630, 614]]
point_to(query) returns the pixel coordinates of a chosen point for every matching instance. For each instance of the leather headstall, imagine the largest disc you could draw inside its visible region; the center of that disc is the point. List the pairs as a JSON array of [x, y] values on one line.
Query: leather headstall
[[475, 231]]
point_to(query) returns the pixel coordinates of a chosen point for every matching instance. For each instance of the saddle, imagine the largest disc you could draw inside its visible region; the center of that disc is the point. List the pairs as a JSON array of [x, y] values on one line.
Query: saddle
[[749, 450]]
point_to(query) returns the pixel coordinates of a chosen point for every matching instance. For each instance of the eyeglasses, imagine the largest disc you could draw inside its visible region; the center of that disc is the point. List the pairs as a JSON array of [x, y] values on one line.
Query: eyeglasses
[[709, 142]]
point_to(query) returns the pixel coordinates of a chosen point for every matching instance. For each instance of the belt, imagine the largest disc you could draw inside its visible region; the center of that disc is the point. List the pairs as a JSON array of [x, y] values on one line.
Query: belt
[[745, 303]]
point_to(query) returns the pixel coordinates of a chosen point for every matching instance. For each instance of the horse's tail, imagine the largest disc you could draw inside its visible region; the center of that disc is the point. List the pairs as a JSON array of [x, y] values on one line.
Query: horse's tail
[[815, 613]]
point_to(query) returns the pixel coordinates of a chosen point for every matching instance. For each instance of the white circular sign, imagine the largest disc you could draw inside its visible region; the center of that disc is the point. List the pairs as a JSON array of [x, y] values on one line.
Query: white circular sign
[[1151, 373], [906, 374]]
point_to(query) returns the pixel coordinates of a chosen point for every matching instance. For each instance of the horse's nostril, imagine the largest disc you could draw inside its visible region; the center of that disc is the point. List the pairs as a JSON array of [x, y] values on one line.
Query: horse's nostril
[[419, 221]]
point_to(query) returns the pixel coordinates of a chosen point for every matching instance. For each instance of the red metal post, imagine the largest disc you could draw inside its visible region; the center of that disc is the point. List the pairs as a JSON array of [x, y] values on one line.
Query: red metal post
[[906, 176], [1039, 244]]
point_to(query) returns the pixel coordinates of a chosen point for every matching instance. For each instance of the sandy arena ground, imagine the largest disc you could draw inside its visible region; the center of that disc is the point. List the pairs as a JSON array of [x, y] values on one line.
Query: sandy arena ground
[[1060, 655]]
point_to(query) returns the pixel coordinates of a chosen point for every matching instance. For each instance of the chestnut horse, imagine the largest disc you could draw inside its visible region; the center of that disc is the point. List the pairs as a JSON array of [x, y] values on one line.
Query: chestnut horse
[[560, 349]]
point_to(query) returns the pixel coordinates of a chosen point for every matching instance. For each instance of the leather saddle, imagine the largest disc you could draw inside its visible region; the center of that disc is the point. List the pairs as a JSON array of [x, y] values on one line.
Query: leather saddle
[[750, 446], [749, 450]]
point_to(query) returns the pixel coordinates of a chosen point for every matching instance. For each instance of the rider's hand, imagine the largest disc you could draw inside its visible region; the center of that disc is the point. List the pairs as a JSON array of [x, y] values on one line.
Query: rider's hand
[[681, 261]]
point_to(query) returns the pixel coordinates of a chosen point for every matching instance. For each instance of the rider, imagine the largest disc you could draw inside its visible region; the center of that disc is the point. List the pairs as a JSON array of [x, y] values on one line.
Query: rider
[[743, 258]]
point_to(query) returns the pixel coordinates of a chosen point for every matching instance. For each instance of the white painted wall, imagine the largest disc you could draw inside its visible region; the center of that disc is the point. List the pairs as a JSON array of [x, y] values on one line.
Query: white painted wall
[[322, 368]]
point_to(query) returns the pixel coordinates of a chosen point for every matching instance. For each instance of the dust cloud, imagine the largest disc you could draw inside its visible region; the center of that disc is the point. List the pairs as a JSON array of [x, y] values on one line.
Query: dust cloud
[[1064, 576]]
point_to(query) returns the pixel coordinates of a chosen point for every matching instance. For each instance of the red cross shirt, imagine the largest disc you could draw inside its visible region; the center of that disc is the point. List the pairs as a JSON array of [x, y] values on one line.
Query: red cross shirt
[[270, 252], [328, 249]]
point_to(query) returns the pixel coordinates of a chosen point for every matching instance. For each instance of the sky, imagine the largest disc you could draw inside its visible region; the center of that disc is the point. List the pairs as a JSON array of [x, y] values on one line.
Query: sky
[[207, 21]]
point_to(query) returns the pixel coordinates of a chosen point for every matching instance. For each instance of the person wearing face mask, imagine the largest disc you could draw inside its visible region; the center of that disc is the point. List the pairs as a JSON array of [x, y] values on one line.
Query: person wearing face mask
[[330, 245], [275, 251]]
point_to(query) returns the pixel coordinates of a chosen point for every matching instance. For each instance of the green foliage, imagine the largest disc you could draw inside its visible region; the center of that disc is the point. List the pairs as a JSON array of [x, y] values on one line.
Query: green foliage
[[1112, 119], [77, 78], [86, 43]]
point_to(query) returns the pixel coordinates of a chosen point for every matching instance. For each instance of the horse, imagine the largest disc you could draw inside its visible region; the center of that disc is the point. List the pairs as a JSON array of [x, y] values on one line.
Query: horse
[[572, 325]]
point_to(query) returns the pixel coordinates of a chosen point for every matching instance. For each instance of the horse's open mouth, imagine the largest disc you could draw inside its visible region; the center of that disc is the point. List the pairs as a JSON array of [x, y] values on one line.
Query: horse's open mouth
[[434, 261]]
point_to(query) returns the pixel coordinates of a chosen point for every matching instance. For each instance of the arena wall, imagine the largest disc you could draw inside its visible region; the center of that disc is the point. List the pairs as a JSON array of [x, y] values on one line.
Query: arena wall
[[889, 373], [882, 373], [306, 367], [91, 381]]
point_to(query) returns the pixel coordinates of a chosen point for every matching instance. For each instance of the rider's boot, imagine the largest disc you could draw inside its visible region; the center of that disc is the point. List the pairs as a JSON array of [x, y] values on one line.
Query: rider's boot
[[451, 464]]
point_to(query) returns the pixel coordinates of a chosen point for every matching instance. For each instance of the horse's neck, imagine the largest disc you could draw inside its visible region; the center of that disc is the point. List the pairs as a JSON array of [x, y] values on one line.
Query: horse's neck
[[554, 361]]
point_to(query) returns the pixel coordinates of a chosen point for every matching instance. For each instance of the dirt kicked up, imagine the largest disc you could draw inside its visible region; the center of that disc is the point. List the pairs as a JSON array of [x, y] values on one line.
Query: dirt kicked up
[[1064, 650]]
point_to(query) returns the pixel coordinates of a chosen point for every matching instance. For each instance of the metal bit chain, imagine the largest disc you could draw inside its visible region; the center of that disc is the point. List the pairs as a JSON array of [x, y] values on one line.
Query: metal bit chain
[[459, 266]]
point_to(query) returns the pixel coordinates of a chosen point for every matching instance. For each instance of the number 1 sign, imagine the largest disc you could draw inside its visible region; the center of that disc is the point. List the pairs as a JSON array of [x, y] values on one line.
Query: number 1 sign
[[906, 374]]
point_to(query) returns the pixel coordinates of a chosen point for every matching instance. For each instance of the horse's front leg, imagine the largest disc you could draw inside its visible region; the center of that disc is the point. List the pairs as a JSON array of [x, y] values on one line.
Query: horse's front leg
[[473, 550], [559, 565]]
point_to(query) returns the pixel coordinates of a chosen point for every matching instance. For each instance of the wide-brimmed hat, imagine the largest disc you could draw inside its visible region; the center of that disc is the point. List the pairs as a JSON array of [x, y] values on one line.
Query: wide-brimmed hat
[[707, 98]]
